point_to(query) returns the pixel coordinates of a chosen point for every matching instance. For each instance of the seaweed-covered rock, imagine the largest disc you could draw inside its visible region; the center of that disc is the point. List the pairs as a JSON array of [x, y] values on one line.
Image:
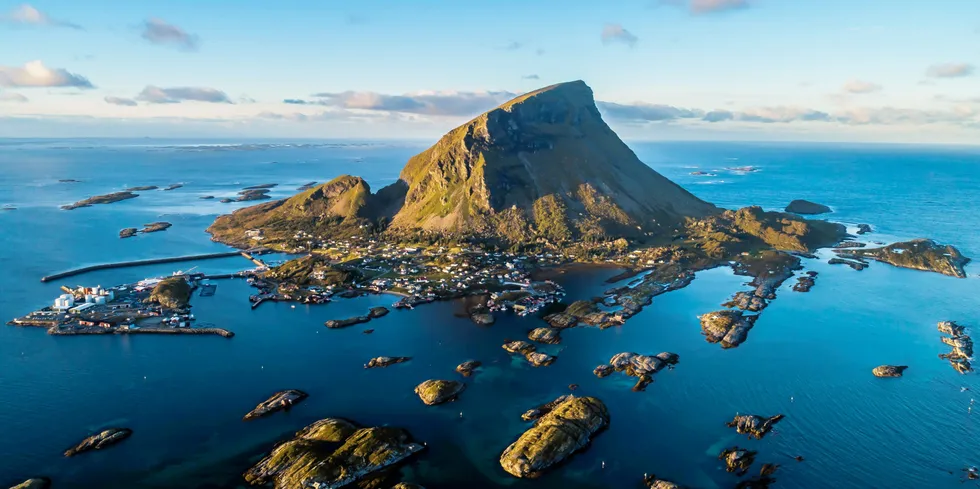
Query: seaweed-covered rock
[[544, 409], [889, 370], [730, 328], [737, 460], [555, 436], [519, 346], [381, 362], [761, 481], [100, 440], [277, 402], [343, 323], [800, 206], [864, 229], [754, 426], [482, 318], [330, 454], [466, 368], [545, 335], [434, 392]]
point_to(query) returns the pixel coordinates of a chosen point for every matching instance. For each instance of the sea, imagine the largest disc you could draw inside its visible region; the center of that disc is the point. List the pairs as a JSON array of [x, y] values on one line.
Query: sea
[[809, 356]]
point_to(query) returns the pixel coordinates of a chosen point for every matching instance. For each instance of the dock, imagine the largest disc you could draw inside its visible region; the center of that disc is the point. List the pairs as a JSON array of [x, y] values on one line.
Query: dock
[[152, 261]]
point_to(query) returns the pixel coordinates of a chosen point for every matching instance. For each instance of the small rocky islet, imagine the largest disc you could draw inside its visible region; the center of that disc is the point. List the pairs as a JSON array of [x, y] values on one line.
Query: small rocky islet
[[806, 207], [567, 428], [918, 254], [101, 199], [35, 483], [961, 354], [643, 367], [755, 426], [100, 440], [467, 368], [333, 453], [279, 401], [382, 362], [529, 352], [433, 392], [889, 370]]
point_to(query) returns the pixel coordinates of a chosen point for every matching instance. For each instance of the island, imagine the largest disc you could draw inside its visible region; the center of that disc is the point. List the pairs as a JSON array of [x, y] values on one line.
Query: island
[[333, 453], [643, 367], [433, 392], [279, 401], [918, 254], [961, 346], [381, 362], [806, 207], [567, 428], [141, 189], [100, 440], [35, 483], [755, 426], [101, 199], [174, 186], [306, 186], [155, 227], [261, 186], [889, 370], [128, 232], [206, 197]]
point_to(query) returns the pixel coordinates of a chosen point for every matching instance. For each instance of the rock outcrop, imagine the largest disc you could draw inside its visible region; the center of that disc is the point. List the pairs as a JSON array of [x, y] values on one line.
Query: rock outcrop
[[807, 207], [643, 367], [568, 428], [889, 370], [171, 293], [805, 282], [434, 392], [652, 482], [918, 254], [551, 336], [279, 401], [343, 323], [755, 426], [544, 409], [331, 454], [35, 483], [381, 362], [730, 328], [961, 343], [466, 368], [100, 440], [737, 460], [377, 312]]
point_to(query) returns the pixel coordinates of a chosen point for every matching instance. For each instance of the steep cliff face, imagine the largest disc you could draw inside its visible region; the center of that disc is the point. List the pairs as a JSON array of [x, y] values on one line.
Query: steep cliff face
[[542, 165]]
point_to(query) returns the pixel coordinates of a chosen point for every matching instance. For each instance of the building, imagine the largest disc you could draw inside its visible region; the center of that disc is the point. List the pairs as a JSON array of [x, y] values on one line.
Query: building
[[64, 302]]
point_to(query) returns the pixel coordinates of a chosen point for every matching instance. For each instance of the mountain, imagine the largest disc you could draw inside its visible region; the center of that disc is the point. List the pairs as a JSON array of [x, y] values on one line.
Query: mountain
[[543, 167], [546, 165]]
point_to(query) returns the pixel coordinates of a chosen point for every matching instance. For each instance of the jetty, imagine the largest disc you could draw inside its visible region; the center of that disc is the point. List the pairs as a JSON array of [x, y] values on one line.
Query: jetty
[[152, 261]]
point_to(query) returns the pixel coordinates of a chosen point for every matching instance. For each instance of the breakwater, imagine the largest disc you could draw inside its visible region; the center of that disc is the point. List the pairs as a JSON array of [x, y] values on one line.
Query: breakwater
[[141, 330], [137, 263]]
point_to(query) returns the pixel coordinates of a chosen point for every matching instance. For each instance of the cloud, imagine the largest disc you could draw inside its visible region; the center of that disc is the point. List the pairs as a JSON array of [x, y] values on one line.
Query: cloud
[[861, 87], [158, 31], [425, 103], [784, 115], [296, 101], [539, 52], [513, 46], [530, 77], [950, 70], [701, 7], [12, 97], [245, 99], [35, 74], [157, 95], [28, 15], [641, 112], [128, 102], [616, 33]]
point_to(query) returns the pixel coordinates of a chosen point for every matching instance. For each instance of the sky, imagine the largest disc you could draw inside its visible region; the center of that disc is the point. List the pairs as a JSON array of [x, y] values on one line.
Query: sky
[[770, 70]]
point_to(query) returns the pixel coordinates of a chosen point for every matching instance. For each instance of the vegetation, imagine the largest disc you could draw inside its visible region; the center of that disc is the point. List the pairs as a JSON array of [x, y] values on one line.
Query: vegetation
[[307, 270], [172, 293], [919, 254]]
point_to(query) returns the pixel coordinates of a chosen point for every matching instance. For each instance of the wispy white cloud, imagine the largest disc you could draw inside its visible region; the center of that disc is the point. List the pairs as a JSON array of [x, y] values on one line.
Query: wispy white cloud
[[701, 7], [424, 103], [12, 97], [616, 33], [120, 101], [950, 70], [158, 31], [861, 87], [156, 95], [642, 112], [35, 74], [28, 15]]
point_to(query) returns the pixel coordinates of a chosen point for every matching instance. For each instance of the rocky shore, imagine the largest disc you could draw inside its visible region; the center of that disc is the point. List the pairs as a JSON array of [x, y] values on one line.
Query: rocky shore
[[566, 429], [127, 232], [468, 367], [333, 453], [530, 353], [961, 353], [35, 483], [279, 401], [805, 282], [643, 367], [155, 227], [856, 264], [434, 392], [100, 199], [919, 254], [99, 441], [737, 460]]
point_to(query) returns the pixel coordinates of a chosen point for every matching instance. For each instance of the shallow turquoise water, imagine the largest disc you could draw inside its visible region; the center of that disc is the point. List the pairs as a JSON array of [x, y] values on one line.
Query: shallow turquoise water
[[809, 356]]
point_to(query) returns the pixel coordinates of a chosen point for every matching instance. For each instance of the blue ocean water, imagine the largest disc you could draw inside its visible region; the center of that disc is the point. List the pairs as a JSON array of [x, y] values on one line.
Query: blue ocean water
[[809, 356]]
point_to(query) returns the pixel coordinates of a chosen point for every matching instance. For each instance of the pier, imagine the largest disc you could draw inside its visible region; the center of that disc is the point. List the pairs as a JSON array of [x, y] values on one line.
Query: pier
[[152, 261]]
